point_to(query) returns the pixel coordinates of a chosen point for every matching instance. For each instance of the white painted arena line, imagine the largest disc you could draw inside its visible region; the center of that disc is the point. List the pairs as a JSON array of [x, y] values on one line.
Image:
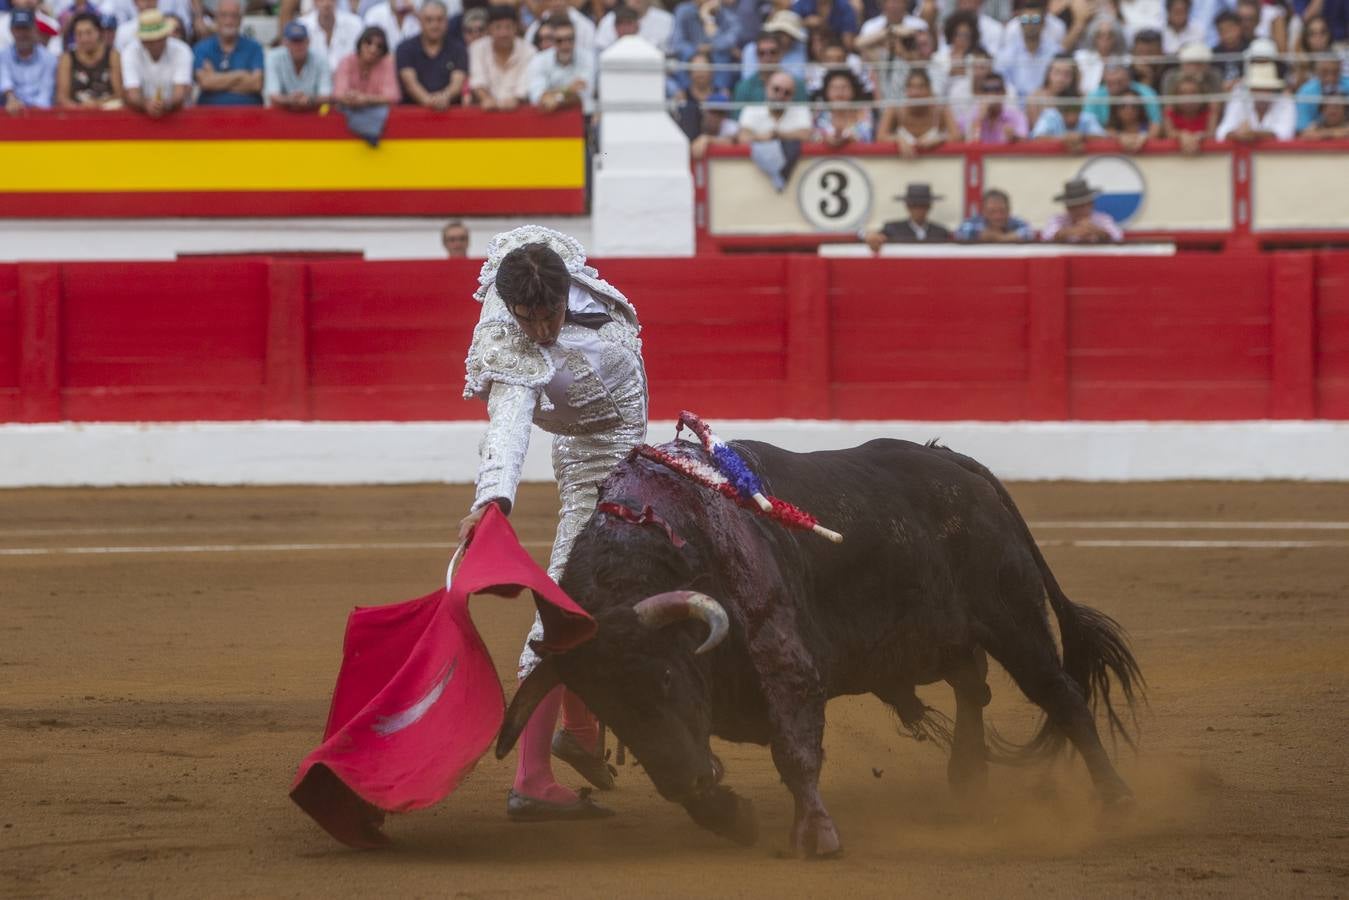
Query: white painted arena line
[[543, 545]]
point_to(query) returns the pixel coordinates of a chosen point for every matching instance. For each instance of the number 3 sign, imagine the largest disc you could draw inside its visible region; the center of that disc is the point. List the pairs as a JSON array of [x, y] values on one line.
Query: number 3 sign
[[834, 194]]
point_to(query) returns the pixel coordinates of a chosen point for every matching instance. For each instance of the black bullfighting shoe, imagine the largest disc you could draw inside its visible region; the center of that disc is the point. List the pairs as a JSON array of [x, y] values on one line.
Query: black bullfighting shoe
[[590, 767], [520, 808]]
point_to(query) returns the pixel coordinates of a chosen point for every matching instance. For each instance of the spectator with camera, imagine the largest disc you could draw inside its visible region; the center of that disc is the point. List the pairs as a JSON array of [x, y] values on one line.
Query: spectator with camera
[[297, 78], [89, 76], [229, 64], [157, 69], [498, 63], [27, 68], [433, 66]]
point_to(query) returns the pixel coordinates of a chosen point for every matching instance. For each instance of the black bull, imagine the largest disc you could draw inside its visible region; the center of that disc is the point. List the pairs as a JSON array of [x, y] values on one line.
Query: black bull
[[937, 568]]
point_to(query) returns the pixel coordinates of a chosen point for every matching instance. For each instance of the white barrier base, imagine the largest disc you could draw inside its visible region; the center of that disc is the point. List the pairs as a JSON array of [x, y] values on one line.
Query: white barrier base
[[233, 453]]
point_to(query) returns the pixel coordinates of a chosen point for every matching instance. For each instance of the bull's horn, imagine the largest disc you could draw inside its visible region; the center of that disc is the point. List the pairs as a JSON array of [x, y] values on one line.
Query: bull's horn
[[676, 606], [530, 694]]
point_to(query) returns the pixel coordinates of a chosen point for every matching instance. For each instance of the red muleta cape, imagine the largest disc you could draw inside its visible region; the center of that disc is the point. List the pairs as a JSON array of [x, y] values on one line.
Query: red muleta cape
[[417, 700]]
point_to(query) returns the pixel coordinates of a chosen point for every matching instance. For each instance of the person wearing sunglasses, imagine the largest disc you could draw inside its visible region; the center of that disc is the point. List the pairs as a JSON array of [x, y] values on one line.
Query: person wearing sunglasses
[[1024, 63], [366, 77], [555, 346], [560, 77]]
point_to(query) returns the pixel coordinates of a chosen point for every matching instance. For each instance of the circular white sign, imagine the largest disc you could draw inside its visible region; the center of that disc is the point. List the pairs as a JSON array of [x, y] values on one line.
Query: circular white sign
[[834, 194]]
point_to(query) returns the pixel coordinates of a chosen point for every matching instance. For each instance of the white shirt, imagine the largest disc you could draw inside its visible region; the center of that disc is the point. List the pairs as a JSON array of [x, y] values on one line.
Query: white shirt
[[346, 30], [382, 16], [1053, 31], [757, 119], [1172, 41], [655, 27], [545, 74], [125, 36], [1280, 119], [585, 32], [1138, 15], [157, 78], [880, 23]]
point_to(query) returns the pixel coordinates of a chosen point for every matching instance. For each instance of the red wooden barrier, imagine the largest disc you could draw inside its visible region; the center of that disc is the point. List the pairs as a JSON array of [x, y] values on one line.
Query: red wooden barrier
[[1235, 336]]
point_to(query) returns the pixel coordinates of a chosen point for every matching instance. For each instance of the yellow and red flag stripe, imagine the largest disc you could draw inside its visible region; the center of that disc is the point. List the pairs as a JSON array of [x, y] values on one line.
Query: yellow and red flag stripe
[[223, 162]]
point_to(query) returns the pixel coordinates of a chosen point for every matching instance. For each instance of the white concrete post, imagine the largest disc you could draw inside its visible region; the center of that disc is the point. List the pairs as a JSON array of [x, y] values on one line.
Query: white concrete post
[[642, 203]]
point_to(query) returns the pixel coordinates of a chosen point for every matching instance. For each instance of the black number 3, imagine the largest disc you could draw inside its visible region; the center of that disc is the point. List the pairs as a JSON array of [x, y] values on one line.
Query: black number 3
[[835, 184]]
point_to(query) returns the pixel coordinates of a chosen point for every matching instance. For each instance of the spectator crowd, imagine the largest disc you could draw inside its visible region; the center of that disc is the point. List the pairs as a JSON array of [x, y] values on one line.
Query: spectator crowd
[[916, 73]]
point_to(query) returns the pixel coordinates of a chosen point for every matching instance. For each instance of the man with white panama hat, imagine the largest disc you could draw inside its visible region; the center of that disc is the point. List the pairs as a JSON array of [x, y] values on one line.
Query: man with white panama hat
[[1263, 111], [157, 69]]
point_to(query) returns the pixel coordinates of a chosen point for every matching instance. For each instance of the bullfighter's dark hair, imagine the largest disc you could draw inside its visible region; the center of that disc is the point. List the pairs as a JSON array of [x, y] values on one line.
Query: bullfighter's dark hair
[[533, 276]]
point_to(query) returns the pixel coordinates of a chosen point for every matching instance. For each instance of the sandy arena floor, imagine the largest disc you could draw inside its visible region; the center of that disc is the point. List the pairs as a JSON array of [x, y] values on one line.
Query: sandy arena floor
[[154, 705]]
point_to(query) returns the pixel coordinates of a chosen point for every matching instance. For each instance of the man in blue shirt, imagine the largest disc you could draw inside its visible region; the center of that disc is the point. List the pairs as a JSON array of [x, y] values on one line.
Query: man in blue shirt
[[1326, 79], [229, 65], [27, 69], [1067, 122], [711, 27], [994, 223]]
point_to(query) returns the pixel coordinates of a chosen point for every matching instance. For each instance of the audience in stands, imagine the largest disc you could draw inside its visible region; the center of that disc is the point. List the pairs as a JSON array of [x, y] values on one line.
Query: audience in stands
[[157, 69], [333, 30], [785, 27], [917, 228], [709, 28], [924, 125], [1128, 124], [1189, 121], [296, 78], [778, 118], [555, 11], [841, 125], [27, 68], [229, 64], [433, 65], [1261, 112], [472, 25], [1328, 78], [769, 55], [497, 63], [1068, 123], [1313, 41], [838, 16], [1180, 28], [1080, 222], [396, 18], [1105, 40], [1027, 52], [367, 78], [994, 223], [1332, 120], [454, 237], [1146, 66], [89, 75], [1059, 77], [561, 77], [993, 120], [1230, 42], [654, 25], [1118, 84]]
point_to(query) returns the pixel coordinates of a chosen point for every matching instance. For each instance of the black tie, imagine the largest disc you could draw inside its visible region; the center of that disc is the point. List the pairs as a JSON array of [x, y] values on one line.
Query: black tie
[[592, 320]]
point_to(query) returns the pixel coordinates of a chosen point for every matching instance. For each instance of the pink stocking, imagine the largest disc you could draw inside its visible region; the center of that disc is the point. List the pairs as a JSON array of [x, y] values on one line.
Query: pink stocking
[[534, 773], [580, 722]]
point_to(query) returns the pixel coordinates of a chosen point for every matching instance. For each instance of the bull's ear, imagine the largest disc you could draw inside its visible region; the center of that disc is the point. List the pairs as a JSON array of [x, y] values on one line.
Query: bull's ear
[[532, 690]]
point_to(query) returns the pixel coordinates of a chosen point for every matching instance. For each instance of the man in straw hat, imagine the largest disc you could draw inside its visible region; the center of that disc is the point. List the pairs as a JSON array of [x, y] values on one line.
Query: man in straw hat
[[157, 69], [917, 228], [555, 346], [1081, 222], [1263, 111]]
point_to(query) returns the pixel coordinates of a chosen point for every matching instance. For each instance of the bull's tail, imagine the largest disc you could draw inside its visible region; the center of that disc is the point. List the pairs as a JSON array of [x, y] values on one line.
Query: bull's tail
[[1095, 651]]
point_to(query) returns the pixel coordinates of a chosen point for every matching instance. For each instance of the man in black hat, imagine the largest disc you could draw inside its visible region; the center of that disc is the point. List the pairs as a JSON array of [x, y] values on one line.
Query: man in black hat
[[1081, 222], [916, 229]]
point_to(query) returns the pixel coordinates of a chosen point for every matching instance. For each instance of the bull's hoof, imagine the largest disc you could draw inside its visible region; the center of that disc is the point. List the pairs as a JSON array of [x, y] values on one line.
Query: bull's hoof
[[815, 837], [722, 811], [1117, 804]]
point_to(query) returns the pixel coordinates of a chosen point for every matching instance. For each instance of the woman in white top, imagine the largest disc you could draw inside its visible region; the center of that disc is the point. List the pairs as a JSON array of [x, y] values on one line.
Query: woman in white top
[[1105, 39]]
